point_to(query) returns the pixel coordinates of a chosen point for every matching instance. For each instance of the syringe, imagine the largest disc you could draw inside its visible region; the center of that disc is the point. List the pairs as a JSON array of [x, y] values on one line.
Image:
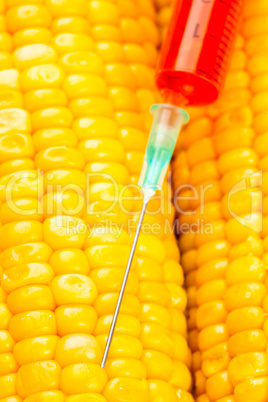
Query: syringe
[[190, 71]]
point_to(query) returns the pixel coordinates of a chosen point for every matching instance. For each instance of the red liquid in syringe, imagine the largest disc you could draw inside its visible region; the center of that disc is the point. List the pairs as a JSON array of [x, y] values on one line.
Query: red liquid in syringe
[[195, 53]]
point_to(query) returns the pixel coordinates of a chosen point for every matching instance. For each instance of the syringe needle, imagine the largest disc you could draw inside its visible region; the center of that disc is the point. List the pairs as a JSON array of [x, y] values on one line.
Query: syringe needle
[[122, 290], [166, 126]]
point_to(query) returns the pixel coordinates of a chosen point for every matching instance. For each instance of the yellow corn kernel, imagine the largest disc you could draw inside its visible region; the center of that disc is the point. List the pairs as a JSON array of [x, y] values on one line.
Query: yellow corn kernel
[[10, 99], [67, 7], [36, 54], [252, 245], [45, 75], [218, 386], [5, 316], [236, 175], [214, 269], [7, 385], [31, 324], [6, 61], [103, 13], [126, 324], [104, 171], [13, 145], [245, 269], [236, 159], [70, 24], [161, 391], [9, 79], [8, 364], [6, 42], [130, 368], [194, 156], [52, 117], [12, 119], [247, 341], [154, 292], [81, 62], [247, 365], [181, 377], [76, 319], [237, 232], [27, 274], [211, 291], [30, 297], [62, 232], [184, 396], [181, 351], [30, 35], [158, 365], [93, 105], [43, 98], [79, 85], [215, 359], [82, 377], [149, 270], [173, 272], [119, 74], [124, 346], [252, 388], [153, 336], [6, 342], [188, 260], [106, 302], [212, 335], [212, 251], [35, 349], [259, 83], [73, 288], [153, 312], [178, 321], [260, 123], [21, 210], [69, 261], [245, 318], [27, 16], [211, 313], [97, 150], [72, 178], [77, 348], [119, 389], [95, 127], [64, 203], [110, 279], [37, 377], [245, 295], [25, 254], [68, 42], [20, 185], [16, 165]]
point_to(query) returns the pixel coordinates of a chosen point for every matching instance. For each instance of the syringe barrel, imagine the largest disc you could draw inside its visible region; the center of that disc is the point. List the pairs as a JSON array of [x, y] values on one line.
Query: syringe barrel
[[195, 53]]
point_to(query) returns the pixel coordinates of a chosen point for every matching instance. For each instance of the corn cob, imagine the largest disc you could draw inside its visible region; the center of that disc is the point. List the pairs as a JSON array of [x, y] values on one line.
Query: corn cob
[[76, 84], [225, 267]]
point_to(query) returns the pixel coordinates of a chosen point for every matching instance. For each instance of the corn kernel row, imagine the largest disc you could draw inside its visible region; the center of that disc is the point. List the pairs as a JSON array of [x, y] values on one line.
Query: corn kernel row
[[83, 78], [249, 347], [225, 267]]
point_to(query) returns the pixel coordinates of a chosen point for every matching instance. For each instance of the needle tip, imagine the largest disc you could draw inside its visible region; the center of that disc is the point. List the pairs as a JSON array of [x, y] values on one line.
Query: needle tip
[[103, 364]]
